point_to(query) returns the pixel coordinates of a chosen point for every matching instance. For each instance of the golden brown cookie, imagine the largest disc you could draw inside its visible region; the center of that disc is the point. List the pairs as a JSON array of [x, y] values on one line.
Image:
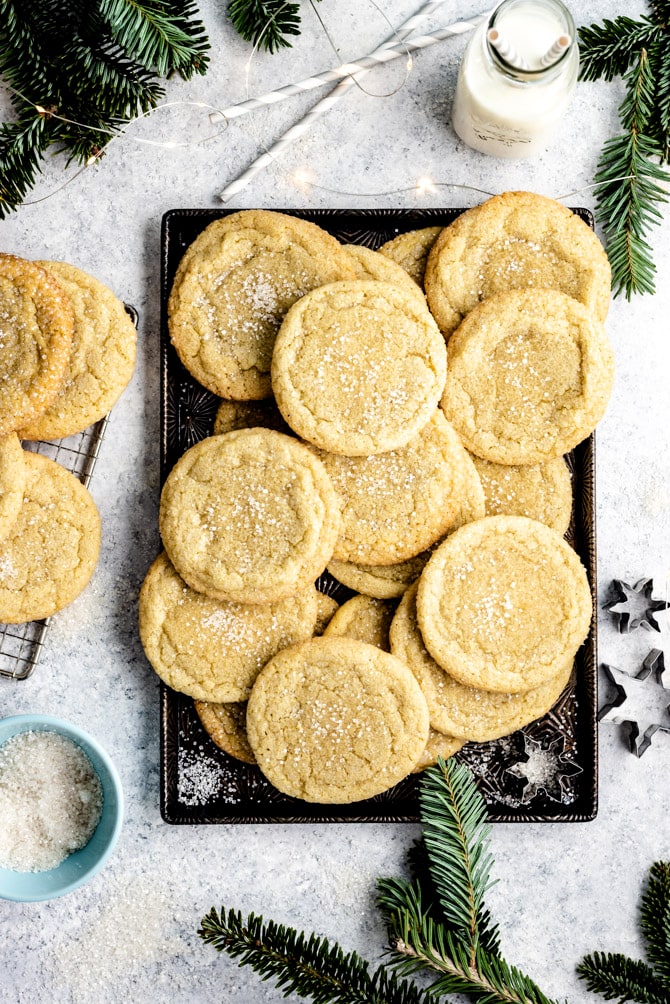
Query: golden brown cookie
[[373, 265], [515, 240], [503, 604], [326, 607], [234, 415], [539, 491], [336, 720], [358, 367], [52, 548], [233, 288], [226, 725], [36, 326], [385, 582], [213, 650], [102, 358], [438, 745], [460, 710], [411, 250], [390, 581], [365, 618], [530, 375], [12, 481], [396, 504], [249, 517]]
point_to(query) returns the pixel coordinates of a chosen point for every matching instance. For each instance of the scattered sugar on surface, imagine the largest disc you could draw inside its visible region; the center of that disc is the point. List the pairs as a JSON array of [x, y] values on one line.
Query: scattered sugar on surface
[[50, 800], [199, 778]]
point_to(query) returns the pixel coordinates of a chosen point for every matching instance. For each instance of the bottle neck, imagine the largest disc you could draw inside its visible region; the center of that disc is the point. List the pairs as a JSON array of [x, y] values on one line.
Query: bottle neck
[[530, 41]]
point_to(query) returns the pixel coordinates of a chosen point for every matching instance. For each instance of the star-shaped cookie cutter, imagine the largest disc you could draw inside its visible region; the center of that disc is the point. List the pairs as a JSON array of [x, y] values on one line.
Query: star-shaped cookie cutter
[[634, 606], [645, 707], [545, 769]]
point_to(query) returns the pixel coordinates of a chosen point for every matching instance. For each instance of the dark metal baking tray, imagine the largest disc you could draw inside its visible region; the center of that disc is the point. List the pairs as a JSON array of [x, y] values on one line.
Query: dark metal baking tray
[[202, 784], [21, 645]]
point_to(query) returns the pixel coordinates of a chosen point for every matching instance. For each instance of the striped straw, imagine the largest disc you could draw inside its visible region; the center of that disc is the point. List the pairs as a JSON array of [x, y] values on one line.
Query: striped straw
[[381, 55], [506, 50], [556, 51]]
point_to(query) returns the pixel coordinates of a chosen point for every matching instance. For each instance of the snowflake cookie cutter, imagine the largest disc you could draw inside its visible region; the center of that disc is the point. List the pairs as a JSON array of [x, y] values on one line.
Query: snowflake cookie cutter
[[545, 768], [634, 606], [643, 705]]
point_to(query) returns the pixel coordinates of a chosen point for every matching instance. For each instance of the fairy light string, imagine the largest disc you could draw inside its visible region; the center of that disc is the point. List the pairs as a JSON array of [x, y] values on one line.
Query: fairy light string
[[220, 120]]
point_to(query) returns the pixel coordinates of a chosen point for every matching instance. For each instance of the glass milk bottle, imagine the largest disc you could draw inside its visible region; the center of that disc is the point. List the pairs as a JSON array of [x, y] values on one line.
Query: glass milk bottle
[[516, 78]]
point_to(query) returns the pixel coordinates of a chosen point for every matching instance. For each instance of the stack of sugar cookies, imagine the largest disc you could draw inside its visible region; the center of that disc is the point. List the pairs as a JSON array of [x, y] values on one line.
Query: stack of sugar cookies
[[67, 352], [352, 437]]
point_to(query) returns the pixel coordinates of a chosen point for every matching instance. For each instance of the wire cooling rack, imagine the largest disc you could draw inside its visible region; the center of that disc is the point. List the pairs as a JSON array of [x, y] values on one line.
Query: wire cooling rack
[[21, 644]]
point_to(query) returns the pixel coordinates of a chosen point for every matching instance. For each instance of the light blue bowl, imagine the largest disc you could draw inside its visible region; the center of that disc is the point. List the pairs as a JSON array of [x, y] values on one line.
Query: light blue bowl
[[79, 867]]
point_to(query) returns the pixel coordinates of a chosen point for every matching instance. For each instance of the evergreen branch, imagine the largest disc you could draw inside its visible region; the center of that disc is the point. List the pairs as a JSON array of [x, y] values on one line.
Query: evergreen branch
[[608, 50], [630, 180], [456, 835], [419, 943], [265, 23], [658, 127], [618, 978], [157, 36], [655, 920], [310, 967], [21, 146]]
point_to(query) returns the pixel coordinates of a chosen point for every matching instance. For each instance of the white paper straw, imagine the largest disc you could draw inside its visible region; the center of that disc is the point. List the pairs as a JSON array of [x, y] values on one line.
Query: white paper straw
[[506, 50], [556, 51], [381, 55]]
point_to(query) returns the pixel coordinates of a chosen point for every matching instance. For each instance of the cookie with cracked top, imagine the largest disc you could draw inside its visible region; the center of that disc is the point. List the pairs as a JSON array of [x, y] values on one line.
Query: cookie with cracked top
[[36, 328], [503, 604], [335, 720], [233, 288], [517, 240], [249, 517], [358, 367], [530, 376], [210, 649]]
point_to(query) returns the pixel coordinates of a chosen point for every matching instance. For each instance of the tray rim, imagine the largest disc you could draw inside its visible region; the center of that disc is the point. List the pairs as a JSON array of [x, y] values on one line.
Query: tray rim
[[168, 709]]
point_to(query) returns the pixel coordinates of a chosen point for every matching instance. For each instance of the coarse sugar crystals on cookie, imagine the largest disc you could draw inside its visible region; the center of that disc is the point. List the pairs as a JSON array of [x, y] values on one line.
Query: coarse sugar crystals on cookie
[[459, 710], [210, 649], [515, 240], [396, 504], [36, 326], [358, 367], [52, 548], [102, 358], [12, 481], [410, 250], [335, 720], [503, 604], [530, 375], [249, 517], [539, 491], [365, 618], [233, 288]]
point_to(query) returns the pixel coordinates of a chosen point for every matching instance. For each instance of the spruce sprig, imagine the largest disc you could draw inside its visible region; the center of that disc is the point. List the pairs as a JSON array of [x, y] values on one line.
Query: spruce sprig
[[96, 63], [630, 175], [437, 921], [309, 966], [268, 24], [616, 977]]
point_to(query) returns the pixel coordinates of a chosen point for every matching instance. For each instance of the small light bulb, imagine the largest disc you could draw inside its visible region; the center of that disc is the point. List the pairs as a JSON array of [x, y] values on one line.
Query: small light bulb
[[40, 109], [302, 178], [91, 160], [425, 186]]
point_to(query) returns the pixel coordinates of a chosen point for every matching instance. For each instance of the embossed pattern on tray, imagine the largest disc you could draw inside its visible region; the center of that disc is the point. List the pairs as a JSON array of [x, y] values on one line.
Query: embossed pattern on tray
[[202, 784]]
